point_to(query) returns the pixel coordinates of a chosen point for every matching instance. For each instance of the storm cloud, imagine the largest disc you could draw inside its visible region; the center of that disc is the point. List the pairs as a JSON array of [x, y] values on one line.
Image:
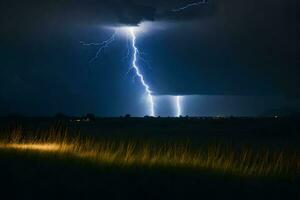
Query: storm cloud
[[32, 13]]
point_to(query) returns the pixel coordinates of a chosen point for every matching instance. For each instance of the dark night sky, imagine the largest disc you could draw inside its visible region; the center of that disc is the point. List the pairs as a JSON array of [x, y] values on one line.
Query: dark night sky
[[233, 57]]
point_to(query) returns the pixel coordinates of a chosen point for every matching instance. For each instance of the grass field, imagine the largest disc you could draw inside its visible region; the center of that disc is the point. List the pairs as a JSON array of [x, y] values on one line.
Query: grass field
[[53, 164], [219, 158]]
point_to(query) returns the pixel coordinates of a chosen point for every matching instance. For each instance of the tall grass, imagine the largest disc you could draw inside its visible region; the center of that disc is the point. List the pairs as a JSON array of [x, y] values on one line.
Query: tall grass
[[215, 157]]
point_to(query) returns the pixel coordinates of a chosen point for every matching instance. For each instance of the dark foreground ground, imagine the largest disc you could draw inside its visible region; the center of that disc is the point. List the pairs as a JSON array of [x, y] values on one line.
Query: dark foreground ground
[[48, 176]]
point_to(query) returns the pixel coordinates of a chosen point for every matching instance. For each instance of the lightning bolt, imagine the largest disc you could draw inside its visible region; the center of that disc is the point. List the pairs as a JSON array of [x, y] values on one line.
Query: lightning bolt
[[103, 45], [138, 72], [190, 5], [134, 66], [178, 106]]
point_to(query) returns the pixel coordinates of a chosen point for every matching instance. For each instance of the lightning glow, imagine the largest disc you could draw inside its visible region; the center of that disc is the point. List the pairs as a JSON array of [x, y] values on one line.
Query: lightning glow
[[189, 5], [135, 66], [178, 100]]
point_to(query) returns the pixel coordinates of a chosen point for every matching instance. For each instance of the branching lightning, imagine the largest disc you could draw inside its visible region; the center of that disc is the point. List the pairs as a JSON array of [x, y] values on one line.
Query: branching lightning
[[189, 5], [101, 45], [178, 106], [139, 74], [134, 65]]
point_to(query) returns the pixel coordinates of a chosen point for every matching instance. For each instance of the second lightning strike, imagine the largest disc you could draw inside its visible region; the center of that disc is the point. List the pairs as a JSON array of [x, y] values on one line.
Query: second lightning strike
[[178, 100]]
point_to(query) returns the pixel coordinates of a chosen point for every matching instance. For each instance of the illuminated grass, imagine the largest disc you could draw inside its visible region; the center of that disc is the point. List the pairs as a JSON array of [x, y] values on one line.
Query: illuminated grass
[[218, 158]]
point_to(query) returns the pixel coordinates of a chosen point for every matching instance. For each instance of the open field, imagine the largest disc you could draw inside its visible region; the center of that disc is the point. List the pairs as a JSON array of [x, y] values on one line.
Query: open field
[[39, 160]]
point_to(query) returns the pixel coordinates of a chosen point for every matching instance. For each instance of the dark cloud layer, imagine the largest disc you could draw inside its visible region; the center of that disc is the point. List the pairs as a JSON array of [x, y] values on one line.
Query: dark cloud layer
[[30, 14]]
